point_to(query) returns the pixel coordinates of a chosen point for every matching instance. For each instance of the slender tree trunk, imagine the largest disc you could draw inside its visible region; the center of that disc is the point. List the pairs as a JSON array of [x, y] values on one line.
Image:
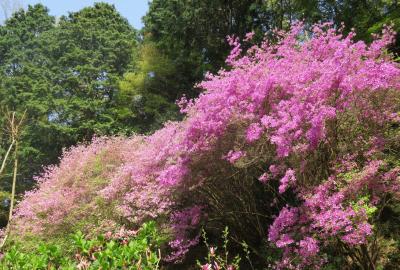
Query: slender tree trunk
[[14, 183]]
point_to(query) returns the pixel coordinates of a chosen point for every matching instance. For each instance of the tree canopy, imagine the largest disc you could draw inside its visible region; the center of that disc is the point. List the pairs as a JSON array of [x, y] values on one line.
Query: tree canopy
[[193, 33], [65, 75]]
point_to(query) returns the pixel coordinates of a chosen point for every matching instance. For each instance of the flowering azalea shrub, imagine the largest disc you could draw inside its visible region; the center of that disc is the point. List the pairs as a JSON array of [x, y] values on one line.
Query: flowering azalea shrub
[[295, 147], [67, 199]]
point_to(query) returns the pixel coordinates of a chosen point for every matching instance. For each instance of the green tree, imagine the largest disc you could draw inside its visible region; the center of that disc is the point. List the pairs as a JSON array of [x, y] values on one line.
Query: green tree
[[65, 76], [92, 50], [193, 33], [146, 89], [365, 16], [25, 82]]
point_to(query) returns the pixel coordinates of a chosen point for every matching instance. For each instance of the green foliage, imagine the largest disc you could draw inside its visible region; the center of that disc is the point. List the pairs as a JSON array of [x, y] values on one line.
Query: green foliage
[[390, 16], [46, 257], [92, 50], [147, 89], [193, 33], [136, 252], [65, 75], [25, 81], [363, 204]]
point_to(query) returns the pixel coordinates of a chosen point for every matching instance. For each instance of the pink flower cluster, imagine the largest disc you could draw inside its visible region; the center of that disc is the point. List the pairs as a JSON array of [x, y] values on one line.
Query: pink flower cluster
[[332, 211], [302, 231], [184, 226]]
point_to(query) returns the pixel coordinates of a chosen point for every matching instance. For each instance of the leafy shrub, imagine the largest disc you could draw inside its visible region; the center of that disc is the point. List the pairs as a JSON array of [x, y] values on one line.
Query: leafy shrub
[[47, 257], [121, 250]]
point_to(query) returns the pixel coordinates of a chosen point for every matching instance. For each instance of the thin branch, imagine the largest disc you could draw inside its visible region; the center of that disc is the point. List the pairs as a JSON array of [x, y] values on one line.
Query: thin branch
[[14, 126], [3, 165]]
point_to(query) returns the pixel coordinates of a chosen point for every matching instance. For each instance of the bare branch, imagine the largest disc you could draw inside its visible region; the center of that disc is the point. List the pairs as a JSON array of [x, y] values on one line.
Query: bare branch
[[3, 165], [14, 130]]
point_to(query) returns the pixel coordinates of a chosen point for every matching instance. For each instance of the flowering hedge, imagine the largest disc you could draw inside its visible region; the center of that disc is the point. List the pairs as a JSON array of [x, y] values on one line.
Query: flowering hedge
[[306, 128], [66, 199]]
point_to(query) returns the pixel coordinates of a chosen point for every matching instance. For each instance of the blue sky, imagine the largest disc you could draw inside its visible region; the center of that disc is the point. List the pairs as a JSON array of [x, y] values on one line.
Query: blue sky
[[133, 10]]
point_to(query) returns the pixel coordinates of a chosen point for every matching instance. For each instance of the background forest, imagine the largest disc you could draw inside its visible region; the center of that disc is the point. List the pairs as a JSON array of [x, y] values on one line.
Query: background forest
[[90, 74]]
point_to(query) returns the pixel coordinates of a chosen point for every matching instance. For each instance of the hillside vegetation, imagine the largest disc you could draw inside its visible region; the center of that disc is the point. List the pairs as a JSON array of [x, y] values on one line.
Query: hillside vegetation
[[294, 147]]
